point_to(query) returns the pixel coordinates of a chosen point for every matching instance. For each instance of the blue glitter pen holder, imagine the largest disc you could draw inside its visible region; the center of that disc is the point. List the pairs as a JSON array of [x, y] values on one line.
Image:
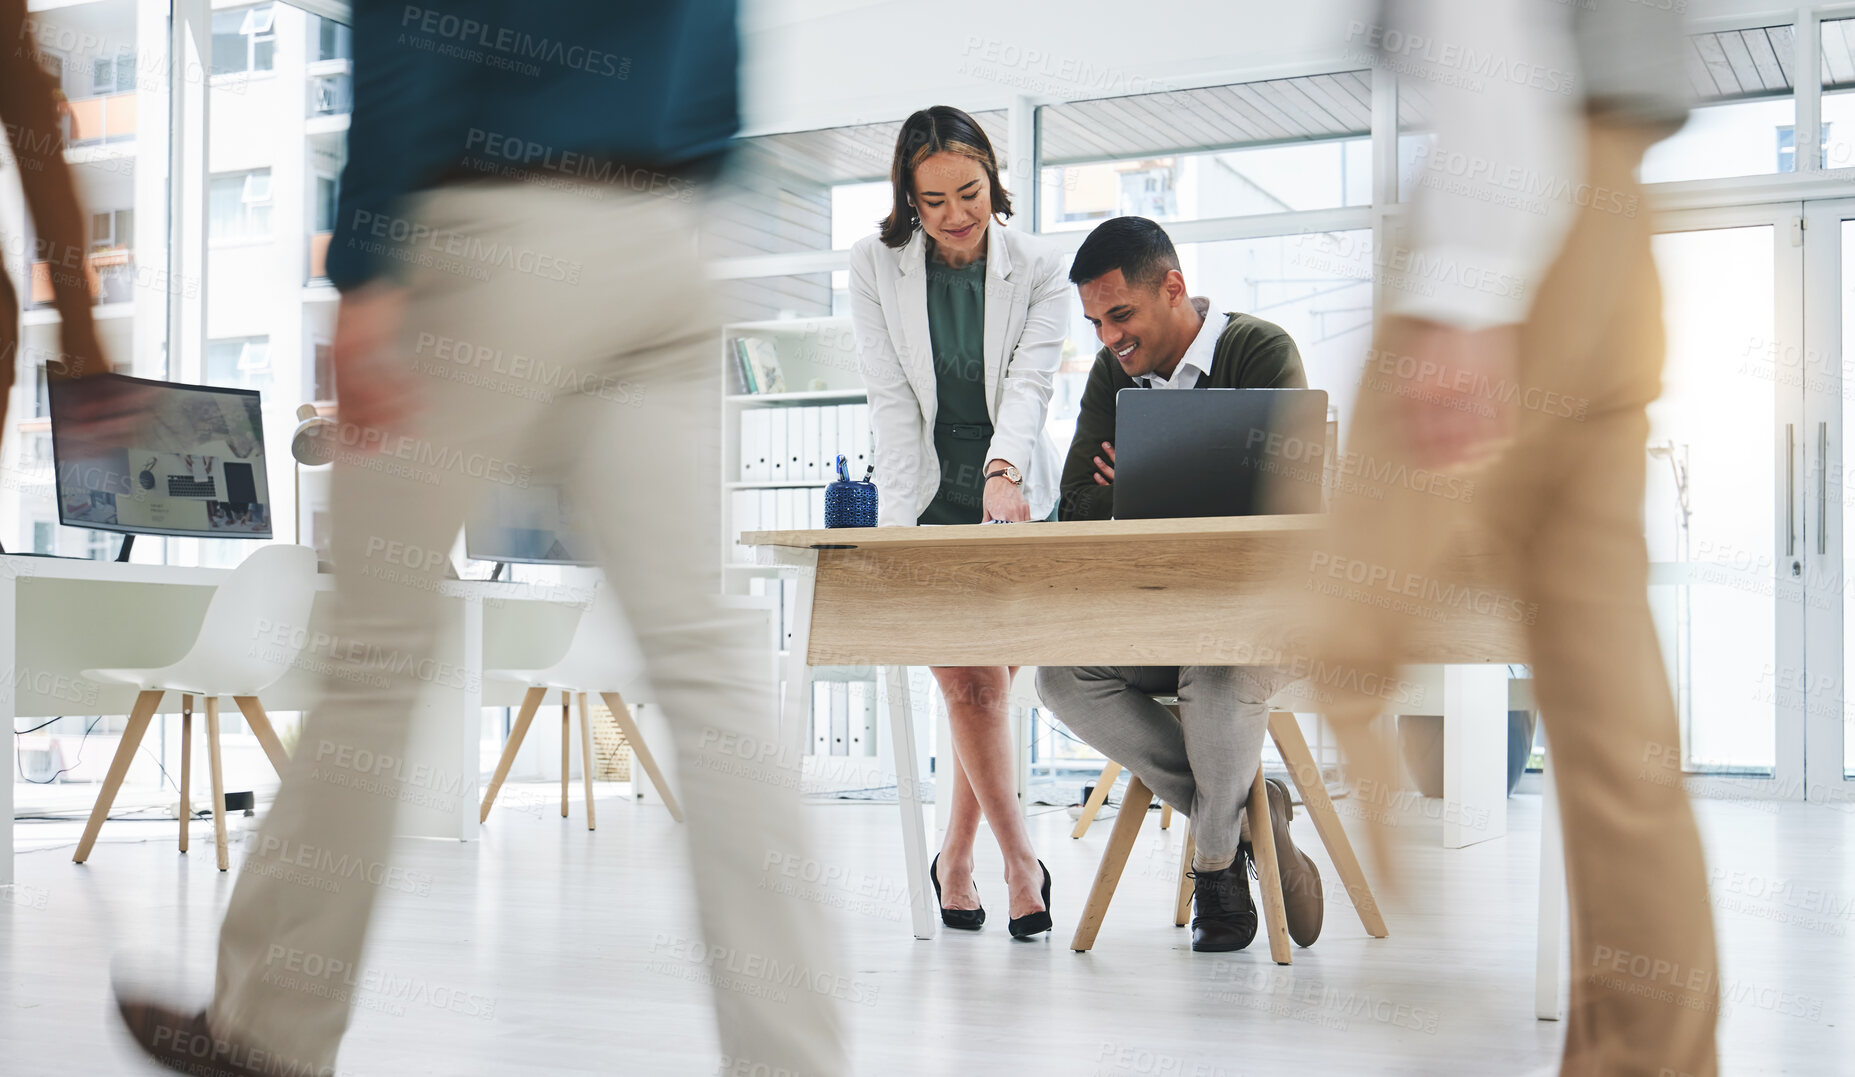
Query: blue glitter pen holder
[[849, 503]]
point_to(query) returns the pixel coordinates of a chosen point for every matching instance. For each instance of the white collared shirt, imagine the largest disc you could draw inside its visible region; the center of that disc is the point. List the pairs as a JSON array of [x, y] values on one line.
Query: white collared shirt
[[1196, 362]]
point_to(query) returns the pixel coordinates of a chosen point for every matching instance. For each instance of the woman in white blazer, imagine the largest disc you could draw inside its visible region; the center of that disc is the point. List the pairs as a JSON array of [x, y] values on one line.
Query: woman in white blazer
[[960, 325]]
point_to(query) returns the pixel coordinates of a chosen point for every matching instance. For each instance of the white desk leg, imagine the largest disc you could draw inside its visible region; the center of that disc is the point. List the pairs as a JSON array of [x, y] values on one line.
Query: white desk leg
[[1547, 989], [8, 605], [908, 796], [469, 748], [1474, 754], [945, 759], [795, 720]]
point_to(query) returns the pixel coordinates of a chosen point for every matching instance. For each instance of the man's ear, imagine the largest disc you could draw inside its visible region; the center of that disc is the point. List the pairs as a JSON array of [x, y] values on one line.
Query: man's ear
[[1173, 288]]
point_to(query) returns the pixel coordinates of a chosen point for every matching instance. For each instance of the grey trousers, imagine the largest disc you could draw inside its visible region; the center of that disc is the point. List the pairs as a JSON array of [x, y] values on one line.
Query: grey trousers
[[1201, 763], [588, 353]]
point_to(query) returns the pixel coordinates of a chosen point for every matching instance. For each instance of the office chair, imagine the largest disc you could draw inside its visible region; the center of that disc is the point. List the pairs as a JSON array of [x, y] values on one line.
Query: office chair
[[275, 586], [602, 659]]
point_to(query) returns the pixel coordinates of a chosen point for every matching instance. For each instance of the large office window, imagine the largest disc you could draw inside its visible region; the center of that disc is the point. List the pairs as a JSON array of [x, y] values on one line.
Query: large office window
[[1742, 82], [241, 206], [244, 39], [1837, 66], [1217, 151]]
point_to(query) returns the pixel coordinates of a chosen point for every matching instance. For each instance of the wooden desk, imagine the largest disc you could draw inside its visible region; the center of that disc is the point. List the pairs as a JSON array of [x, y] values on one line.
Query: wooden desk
[[1117, 592]]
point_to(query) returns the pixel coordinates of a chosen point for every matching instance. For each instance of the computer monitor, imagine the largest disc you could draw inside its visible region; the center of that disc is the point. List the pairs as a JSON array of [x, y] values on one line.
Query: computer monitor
[[137, 456], [533, 524], [1218, 452]]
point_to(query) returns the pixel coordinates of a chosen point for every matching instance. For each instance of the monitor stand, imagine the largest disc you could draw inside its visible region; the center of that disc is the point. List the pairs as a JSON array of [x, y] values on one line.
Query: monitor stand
[[497, 573], [128, 543]]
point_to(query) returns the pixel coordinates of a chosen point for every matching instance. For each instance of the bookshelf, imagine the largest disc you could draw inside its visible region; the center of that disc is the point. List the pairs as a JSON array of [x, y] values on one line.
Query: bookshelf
[[823, 386]]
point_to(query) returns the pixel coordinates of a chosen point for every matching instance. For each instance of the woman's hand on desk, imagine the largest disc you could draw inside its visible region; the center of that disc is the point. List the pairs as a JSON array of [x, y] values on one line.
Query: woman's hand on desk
[[1104, 469], [1004, 499]]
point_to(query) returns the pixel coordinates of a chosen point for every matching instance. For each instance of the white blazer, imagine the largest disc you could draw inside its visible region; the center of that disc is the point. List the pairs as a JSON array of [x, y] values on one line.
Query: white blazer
[[1026, 320]]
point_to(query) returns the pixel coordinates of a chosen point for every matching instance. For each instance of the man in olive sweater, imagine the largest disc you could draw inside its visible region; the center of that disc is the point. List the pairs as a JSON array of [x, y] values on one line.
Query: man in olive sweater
[[1157, 335]]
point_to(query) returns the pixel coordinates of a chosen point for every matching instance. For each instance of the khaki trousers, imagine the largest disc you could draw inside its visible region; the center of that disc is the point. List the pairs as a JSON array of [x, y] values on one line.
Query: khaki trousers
[[1562, 510], [552, 334]]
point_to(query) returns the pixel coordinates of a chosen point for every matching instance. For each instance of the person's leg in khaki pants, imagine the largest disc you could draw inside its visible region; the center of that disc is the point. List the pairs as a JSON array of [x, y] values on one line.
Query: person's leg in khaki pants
[[608, 379], [1562, 510]]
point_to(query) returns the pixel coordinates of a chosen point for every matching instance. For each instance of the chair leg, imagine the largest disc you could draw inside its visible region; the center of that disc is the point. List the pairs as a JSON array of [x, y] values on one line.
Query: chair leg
[[261, 727], [1268, 872], [1097, 798], [212, 759], [1113, 862], [1183, 913], [186, 767], [531, 702], [1165, 817], [616, 704], [143, 710], [566, 746], [586, 756], [1293, 747]]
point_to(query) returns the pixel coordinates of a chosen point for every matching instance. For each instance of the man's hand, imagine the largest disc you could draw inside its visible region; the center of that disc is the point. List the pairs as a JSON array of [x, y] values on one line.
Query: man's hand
[[1455, 399], [374, 392], [1104, 469], [1004, 499]]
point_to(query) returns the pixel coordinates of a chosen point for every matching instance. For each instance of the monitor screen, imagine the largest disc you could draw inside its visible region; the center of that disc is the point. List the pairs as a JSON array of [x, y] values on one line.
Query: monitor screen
[[159, 458], [533, 524]]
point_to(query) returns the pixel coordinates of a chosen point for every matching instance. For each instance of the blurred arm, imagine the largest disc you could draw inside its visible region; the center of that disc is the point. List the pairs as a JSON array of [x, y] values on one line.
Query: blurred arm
[[1497, 189], [32, 128]]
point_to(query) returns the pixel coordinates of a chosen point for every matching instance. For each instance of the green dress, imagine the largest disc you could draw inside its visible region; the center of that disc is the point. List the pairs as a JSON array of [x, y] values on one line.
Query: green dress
[[962, 425]]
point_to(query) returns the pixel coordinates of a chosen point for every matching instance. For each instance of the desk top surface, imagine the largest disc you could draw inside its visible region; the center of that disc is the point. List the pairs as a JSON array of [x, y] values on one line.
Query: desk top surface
[[1004, 534]]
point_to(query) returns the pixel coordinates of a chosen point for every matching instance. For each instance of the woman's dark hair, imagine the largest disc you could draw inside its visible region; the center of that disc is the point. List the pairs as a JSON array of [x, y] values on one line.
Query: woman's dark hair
[[941, 129]]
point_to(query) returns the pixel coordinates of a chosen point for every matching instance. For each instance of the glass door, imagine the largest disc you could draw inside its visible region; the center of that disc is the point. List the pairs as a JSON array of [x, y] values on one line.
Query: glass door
[[1722, 512], [1829, 331]]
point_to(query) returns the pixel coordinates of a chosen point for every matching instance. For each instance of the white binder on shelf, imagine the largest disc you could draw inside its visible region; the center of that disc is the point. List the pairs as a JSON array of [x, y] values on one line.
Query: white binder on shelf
[[860, 437], [817, 505], [769, 509], [820, 722], [812, 444], [863, 713], [840, 712], [842, 442], [795, 445], [783, 517], [789, 598], [776, 445], [746, 505], [754, 462]]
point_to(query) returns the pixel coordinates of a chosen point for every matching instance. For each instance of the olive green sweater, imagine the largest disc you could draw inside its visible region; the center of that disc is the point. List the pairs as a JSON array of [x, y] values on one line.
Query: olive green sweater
[[1250, 354]]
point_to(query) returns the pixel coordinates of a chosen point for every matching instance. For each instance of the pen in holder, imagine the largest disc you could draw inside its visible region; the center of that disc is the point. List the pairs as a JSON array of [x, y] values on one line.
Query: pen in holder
[[849, 503]]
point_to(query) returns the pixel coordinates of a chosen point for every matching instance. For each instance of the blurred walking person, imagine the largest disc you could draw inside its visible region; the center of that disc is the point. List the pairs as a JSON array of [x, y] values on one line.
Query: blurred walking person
[[1521, 344], [519, 191]]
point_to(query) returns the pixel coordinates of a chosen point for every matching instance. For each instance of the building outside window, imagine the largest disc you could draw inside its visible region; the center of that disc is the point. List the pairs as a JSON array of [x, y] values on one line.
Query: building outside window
[[244, 39], [241, 206]]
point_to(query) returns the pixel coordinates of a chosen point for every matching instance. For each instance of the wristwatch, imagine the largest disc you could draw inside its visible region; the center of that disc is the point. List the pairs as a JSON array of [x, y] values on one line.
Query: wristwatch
[[1011, 472]]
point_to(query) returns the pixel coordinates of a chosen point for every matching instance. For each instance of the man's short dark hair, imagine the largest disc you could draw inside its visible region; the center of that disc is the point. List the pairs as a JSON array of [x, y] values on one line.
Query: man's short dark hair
[[1137, 247]]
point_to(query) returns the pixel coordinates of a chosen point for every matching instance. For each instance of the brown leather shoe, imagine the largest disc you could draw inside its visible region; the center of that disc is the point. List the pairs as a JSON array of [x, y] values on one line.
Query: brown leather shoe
[[183, 1042], [1303, 902]]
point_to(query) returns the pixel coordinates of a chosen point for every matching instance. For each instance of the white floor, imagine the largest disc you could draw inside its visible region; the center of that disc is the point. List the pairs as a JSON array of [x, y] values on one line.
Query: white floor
[[540, 950]]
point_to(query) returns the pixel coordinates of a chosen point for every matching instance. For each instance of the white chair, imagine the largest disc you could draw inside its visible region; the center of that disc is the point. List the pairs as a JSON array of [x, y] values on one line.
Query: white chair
[[604, 659], [230, 657]]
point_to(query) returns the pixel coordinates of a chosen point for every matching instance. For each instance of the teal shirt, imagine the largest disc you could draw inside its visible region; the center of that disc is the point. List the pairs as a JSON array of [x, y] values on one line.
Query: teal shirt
[[962, 426]]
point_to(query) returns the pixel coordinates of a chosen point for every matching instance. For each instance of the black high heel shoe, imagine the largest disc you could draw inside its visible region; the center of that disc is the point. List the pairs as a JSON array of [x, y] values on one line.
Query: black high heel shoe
[[1023, 927], [960, 919]]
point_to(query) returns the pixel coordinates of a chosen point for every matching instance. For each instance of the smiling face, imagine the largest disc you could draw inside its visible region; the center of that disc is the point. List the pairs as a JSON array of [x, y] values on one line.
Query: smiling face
[[1144, 327], [954, 200]]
